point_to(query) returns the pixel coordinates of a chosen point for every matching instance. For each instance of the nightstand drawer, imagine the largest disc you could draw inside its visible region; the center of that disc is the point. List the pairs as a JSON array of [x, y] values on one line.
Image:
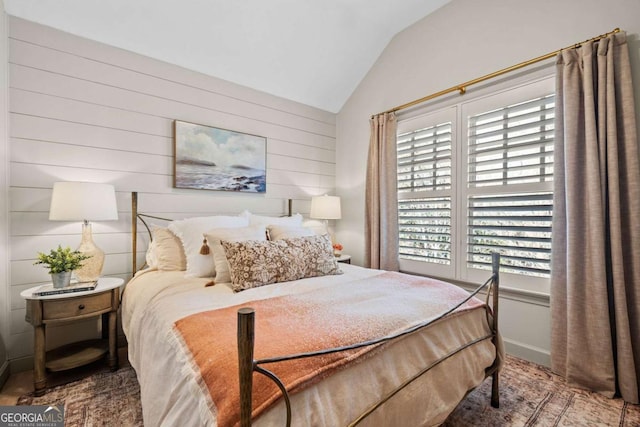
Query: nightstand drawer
[[72, 307]]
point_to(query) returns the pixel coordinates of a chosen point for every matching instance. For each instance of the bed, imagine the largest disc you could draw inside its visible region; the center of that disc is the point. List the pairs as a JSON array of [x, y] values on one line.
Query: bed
[[346, 346]]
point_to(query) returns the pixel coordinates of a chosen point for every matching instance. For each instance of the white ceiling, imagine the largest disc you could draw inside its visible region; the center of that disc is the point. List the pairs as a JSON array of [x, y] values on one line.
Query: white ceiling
[[311, 51]]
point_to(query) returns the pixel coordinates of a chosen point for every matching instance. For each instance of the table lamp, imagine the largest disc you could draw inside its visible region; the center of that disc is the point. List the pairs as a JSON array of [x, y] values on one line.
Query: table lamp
[[326, 208], [85, 201]]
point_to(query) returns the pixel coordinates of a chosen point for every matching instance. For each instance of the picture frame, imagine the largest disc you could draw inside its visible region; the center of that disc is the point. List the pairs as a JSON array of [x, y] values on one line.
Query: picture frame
[[211, 158]]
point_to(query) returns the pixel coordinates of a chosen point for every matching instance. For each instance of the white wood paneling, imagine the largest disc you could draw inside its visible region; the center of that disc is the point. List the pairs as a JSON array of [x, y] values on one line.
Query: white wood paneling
[[36, 34], [53, 153], [43, 176], [18, 325], [45, 129], [5, 327], [300, 151], [60, 65], [25, 248], [37, 104], [83, 111]]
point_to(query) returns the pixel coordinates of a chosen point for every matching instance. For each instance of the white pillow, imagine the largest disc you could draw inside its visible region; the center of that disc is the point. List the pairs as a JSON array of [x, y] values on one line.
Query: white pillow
[[214, 236], [191, 233], [279, 232], [293, 220], [168, 254]]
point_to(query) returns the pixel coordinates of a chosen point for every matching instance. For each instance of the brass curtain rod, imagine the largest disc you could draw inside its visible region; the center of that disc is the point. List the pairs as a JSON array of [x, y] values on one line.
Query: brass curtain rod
[[462, 88]]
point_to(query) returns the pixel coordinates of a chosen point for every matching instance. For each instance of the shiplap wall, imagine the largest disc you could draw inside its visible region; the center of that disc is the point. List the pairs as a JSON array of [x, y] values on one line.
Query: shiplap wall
[[83, 111], [4, 193]]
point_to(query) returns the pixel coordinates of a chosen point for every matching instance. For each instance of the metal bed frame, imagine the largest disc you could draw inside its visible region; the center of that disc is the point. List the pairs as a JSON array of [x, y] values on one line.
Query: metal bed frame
[[246, 337], [137, 216], [248, 365]]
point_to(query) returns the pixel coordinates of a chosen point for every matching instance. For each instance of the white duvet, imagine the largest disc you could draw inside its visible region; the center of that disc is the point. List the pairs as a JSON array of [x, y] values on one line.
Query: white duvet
[[170, 394]]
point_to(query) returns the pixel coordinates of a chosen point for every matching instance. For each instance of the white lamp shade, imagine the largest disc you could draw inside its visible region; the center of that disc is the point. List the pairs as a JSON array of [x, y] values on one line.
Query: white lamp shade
[[83, 201], [325, 207]]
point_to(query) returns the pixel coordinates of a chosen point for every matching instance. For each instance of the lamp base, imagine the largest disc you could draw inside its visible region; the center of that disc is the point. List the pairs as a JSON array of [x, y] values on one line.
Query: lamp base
[[92, 267]]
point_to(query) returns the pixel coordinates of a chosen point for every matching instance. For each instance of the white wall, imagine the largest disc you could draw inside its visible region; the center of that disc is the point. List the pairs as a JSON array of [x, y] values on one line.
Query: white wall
[[81, 110], [463, 40], [4, 225]]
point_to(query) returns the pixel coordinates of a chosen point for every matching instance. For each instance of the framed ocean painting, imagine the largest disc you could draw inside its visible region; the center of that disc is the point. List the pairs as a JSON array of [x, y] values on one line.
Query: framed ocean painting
[[210, 158]]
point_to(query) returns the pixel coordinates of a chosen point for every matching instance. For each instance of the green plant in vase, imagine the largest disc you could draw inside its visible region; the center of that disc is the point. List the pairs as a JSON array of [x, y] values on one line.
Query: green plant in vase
[[61, 262]]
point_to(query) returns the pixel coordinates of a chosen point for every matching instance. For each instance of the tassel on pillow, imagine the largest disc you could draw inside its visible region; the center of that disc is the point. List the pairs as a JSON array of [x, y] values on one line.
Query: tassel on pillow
[[204, 249]]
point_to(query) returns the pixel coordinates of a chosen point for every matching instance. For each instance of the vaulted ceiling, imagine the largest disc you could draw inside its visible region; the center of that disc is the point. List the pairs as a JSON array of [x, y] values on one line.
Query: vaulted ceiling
[[311, 51]]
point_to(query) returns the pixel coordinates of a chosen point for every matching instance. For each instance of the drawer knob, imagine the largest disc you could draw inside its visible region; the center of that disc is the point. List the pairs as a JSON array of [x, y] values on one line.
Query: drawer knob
[[81, 307]]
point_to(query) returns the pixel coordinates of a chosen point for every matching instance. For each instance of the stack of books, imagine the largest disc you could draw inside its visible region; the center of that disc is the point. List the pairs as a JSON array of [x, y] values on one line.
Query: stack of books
[[73, 287]]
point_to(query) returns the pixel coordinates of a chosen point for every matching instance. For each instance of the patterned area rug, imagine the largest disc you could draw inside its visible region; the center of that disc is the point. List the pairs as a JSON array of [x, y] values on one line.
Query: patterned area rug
[[530, 395], [105, 399]]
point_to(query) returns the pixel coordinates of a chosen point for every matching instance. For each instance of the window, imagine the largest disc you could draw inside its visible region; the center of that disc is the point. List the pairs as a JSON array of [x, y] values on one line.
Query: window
[[476, 178], [426, 170]]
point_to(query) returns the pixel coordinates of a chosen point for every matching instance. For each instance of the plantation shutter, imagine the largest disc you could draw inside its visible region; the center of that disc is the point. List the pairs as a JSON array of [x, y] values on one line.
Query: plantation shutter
[[424, 194], [476, 177], [424, 159], [512, 145], [510, 155]]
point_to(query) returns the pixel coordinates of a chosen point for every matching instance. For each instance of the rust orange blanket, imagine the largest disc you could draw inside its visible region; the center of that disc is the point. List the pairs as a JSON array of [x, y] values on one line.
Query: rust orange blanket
[[325, 318]]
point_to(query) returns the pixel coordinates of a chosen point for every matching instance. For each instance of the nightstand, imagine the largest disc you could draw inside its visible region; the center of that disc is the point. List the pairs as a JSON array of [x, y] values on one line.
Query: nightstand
[[70, 307], [344, 258]]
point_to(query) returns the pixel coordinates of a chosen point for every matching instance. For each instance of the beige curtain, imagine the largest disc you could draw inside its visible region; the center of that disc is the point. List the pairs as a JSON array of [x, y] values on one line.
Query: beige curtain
[[381, 204], [595, 283]]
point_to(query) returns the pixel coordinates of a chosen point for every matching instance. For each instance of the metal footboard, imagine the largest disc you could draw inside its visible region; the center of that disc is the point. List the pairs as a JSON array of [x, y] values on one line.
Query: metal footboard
[[248, 365]]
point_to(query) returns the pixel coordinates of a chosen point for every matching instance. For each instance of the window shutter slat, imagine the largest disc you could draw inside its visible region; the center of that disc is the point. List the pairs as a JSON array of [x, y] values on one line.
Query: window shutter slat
[[541, 140], [424, 159], [424, 229], [519, 227], [513, 109], [512, 145], [486, 132], [435, 143]]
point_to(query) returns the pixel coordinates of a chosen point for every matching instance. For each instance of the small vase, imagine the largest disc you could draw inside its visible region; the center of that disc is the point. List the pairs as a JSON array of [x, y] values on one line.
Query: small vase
[[61, 280], [337, 253]]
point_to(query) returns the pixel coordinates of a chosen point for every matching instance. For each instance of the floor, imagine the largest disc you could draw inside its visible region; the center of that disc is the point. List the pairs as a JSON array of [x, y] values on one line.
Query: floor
[[17, 385], [21, 383]]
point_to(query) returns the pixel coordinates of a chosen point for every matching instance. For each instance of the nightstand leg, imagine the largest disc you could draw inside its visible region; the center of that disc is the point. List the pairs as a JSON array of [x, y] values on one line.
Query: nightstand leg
[[39, 375], [113, 350]]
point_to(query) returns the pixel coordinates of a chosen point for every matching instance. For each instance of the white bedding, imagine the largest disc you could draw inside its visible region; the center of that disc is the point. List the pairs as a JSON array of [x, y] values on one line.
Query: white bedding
[[170, 395]]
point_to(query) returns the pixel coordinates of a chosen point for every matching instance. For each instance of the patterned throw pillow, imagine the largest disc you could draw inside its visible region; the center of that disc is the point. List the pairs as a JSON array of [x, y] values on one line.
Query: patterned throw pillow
[[216, 235], [255, 263]]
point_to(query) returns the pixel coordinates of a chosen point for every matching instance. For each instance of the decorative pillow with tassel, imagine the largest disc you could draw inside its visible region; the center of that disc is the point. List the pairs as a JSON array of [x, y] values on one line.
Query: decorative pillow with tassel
[[213, 238], [191, 233]]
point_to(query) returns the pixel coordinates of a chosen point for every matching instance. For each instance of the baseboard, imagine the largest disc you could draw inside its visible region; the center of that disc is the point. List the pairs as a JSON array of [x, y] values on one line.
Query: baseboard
[[527, 352], [4, 373]]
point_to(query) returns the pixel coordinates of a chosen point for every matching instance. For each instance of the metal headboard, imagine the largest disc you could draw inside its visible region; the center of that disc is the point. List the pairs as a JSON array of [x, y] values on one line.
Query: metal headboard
[[135, 216]]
